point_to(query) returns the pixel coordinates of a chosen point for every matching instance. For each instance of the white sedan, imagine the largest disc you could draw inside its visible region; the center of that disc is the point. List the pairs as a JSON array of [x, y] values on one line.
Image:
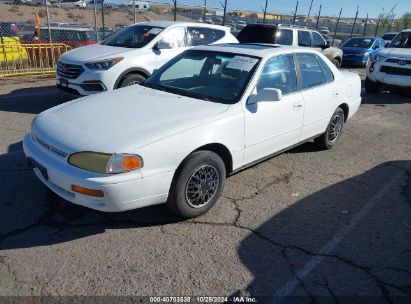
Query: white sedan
[[206, 114]]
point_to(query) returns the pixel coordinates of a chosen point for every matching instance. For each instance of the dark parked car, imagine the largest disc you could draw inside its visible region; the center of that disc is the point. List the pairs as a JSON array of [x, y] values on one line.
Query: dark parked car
[[357, 49]]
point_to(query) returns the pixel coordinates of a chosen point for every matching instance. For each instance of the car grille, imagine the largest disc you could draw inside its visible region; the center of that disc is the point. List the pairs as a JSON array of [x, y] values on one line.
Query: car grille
[[70, 71], [397, 61], [52, 149], [395, 71]]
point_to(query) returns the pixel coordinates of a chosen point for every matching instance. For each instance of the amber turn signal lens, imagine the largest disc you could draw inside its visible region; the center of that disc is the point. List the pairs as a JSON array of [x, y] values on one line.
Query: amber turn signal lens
[[86, 191], [131, 162]]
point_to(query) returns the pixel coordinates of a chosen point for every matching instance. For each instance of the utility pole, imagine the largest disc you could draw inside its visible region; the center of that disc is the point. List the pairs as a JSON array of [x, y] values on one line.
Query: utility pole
[[309, 11], [102, 19], [318, 17], [205, 10], [378, 26], [365, 25], [95, 20], [265, 10], [355, 20], [336, 27], [295, 13], [175, 10]]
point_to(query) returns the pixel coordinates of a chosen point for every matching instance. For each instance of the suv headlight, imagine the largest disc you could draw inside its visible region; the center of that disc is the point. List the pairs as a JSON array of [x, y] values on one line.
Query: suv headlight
[[376, 57], [103, 64], [106, 163]]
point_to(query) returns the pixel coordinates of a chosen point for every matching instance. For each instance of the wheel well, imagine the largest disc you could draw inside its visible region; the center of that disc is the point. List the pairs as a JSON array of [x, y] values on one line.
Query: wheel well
[[122, 77], [344, 107], [221, 151]]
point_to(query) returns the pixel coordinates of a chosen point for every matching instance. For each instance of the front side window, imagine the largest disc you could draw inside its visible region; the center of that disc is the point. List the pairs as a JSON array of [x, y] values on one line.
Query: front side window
[[318, 40], [304, 38], [203, 35], [312, 74], [212, 76], [279, 73], [135, 36]]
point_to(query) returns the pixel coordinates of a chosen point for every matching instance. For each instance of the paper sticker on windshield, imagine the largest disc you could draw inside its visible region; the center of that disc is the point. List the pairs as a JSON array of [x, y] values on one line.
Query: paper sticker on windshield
[[242, 63], [155, 31]]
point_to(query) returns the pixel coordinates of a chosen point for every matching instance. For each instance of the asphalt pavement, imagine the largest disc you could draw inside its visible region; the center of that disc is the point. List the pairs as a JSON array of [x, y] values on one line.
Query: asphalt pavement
[[315, 226]]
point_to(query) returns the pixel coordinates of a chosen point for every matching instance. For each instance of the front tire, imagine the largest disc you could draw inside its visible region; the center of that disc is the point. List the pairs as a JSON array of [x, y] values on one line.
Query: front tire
[[371, 86], [197, 184], [131, 79], [336, 63], [332, 135]]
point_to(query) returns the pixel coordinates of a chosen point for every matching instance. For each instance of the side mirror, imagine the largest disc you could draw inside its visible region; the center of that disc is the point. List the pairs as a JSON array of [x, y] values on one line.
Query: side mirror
[[386, 44], [162, 45], [266, 94], [375, 47]]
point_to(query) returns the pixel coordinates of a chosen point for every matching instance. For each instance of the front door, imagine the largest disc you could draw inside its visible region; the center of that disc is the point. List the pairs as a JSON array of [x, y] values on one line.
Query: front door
[[176, 41]]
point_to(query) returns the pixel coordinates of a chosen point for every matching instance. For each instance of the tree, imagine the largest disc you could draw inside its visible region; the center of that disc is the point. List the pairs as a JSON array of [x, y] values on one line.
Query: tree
[[405, 20]]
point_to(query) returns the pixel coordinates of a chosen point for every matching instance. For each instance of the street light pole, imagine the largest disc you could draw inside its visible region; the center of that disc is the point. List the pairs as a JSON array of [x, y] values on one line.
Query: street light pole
[[265, 10]]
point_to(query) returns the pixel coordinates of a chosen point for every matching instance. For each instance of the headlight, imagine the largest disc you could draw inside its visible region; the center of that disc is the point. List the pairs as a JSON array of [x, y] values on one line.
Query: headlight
[[103, 64], [376, 57], [106, 163]]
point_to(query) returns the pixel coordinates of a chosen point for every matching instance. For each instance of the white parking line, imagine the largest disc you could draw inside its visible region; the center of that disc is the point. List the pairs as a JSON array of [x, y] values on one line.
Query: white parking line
[[291, 284]]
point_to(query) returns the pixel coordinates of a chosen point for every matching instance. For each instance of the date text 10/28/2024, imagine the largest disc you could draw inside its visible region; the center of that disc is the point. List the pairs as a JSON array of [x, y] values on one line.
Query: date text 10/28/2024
[[235, 299]]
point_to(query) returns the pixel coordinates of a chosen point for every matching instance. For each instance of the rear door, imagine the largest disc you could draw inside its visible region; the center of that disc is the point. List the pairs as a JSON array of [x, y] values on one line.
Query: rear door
[[320, 92]]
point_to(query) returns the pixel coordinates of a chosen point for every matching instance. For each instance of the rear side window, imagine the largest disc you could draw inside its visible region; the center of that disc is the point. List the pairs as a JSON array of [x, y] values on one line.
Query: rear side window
[[203, 35], [312, 74], [329, 76], [284, 37], [304, 38]]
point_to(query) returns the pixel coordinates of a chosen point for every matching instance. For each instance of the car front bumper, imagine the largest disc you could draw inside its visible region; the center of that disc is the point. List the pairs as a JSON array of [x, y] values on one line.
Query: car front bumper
[[389, 79], [354, 60], [121, 191]]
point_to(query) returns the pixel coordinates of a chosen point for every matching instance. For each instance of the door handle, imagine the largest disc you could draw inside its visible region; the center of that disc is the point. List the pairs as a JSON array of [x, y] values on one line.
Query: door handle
[[335, 94], [297, 105]]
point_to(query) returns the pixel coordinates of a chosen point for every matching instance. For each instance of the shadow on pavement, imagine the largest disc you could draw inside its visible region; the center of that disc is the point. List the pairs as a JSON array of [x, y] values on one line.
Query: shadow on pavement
[[33, 216], [33, 100], [350, 239]]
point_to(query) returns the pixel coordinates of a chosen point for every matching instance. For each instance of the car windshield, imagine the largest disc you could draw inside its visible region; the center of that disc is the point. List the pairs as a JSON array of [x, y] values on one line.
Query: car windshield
[[403, 40], [212, 76], [136, 36], [363, 43]]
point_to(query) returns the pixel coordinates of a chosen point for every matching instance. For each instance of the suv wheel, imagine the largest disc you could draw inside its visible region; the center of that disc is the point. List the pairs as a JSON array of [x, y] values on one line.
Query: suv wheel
[[336, 63], [371, 86], [131, 79], [197, 184]]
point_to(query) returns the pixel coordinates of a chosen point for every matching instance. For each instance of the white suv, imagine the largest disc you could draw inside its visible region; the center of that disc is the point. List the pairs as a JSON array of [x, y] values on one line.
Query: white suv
[[390, 66], [72, 4], [132, 55]]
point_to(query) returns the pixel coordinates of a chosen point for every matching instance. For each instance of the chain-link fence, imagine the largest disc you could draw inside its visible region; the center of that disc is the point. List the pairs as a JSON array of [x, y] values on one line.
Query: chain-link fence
[[34, 33]]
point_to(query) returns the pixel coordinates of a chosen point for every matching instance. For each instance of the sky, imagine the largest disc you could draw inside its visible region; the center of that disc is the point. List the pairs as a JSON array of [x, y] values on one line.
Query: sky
[[329, 7]]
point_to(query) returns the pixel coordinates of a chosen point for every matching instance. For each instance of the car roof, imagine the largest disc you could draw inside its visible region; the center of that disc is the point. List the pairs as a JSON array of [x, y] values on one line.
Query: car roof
[[67, 28], [253, 49], [165, 24], [365, 37]]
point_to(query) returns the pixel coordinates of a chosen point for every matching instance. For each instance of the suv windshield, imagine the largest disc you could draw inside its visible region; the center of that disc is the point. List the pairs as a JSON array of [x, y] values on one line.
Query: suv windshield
[[363, 43], [257, 33], [135, 36], [403, 40], [207, 75]]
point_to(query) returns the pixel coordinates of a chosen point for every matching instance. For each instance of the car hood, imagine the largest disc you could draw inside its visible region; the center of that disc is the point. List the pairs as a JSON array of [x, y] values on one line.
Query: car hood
[[95, 52], [122, 120], [353, 50], [396, 52]]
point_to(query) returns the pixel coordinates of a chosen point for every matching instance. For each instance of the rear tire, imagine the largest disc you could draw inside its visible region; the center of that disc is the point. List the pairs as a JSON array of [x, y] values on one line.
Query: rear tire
[[332, 135], [197, 184], [131, 79], [371, 86]]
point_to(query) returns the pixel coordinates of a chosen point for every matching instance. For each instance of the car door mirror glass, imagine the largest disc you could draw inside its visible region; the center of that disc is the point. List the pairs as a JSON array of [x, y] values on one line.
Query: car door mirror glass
[[266, 94]]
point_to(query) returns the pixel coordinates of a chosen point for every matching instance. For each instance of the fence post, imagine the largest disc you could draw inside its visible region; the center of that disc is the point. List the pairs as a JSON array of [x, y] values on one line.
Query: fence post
[[365, 25], [134, 11], [318, 17], [309, 11], [48, 21], [95, 20], [102, 19], [355, 20], [175, 10], [336, 27], [295, 13], [225, 11], [378, 26], [205, 10]]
